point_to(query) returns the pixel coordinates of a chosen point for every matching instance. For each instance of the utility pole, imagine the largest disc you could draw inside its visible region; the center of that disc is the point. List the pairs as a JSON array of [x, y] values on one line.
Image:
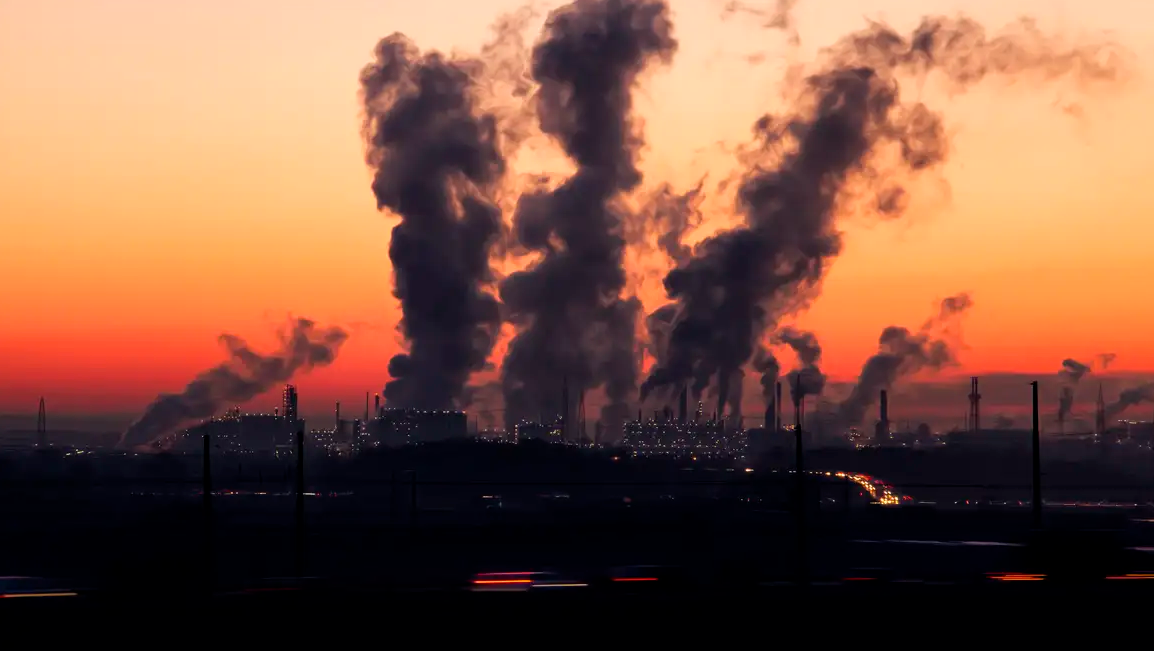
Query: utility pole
[[300, 503], [1037, 460], [799, 469], [206, 489]]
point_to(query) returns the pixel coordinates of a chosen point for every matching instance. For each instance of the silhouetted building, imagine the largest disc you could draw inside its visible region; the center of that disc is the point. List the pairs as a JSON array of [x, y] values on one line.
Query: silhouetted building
[[289, 404], [398, 427]]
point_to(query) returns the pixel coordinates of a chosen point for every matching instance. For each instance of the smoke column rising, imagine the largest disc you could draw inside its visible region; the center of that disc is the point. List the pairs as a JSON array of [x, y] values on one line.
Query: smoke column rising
[[849, 141], [572, 322], [1071, 373], [902, 353], [436, 161], [246, 375], [807, 379]]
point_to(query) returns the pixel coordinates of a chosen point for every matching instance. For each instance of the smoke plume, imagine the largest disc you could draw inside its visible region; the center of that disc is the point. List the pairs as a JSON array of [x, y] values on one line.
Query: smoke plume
[[807, 379], [849, 142], [1071, 373], [572, 322], [1129, 398], [246, 375], [902, 353], [1105, 360], [436, 161]]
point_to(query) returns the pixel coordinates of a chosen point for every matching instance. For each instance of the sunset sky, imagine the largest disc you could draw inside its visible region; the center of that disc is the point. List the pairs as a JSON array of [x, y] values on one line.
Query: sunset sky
[[173, 170]]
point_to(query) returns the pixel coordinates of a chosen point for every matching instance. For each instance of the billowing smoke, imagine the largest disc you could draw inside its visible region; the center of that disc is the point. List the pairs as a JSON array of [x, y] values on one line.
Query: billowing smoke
[[807, 379], [572, 322], [669, 215], [1105, 360], [436, 161], [850, 142], [902, 353], [246, 375], [1129, 398]]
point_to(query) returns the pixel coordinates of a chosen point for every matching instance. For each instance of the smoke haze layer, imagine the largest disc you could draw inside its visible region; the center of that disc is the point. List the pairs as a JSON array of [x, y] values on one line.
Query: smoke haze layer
[[849, 142], [246, 375], [573, 324], [436, 161]]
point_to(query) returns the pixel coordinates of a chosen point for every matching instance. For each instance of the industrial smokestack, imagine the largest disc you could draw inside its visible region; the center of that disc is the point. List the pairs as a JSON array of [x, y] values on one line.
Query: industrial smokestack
[[777, 404], [300, 501], [975, 406], [338, 417], [683, 405], [366, 418], [826, 147], [586, 64], [377, 405]]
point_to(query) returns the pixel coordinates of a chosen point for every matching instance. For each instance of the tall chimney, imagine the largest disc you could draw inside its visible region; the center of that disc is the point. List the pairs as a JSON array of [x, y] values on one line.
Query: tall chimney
[[377, 405], [683, 405], [338, 425], [777, 405], [366, 407]]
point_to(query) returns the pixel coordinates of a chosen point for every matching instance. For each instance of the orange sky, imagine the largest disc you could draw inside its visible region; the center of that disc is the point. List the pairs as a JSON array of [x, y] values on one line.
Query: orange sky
[[173, 170]]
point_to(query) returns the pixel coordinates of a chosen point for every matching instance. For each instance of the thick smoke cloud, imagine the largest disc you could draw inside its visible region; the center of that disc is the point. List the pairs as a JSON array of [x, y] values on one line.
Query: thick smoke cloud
[[849, 142], [573, 325], [436, 161], [246, 375], [902, 353]]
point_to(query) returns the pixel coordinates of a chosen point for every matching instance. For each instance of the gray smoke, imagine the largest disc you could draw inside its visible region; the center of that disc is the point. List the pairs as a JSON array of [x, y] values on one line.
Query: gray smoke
[[669, 215], [1071, 373], [1129, 398], [807, 379], [1105, 360], [850, 141], [436, 161], [902, 353], [246, 375], [572, 322], [779, 16]]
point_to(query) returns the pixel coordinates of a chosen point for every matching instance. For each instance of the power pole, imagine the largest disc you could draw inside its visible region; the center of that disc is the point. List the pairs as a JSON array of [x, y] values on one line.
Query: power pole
[[1037, 460]]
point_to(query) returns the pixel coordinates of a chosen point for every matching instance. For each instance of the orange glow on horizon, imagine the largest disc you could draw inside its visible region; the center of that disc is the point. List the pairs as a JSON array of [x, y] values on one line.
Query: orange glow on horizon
[[204, 174]]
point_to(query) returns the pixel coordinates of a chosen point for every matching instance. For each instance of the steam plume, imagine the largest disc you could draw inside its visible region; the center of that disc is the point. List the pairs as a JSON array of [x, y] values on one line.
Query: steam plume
[[850, 141], [436, 161], [245, 375], [1071, 373], [902, 353], [572, 322], [807, 379], [1130, 397]]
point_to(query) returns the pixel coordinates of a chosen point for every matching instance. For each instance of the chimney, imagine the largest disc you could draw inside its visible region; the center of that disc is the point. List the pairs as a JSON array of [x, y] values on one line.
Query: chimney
[[366, 419], [777, 406], [338, 425], [377, 405], [683, 405]]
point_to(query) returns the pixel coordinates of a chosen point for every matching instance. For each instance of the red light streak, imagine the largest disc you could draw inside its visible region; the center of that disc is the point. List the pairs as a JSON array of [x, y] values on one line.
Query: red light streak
[[501, 581], [633, 579]]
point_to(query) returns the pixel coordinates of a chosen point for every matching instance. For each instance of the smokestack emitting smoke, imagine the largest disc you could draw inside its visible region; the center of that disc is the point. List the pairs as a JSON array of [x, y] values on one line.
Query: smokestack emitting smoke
[[849, 142], [902, 353], [1072, 371], [1130, 397], [568, 307], [437, 162], [807, 378], [246, 375]]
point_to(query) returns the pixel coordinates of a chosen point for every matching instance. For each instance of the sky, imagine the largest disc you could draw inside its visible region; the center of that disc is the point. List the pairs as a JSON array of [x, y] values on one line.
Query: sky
[[170, 171]]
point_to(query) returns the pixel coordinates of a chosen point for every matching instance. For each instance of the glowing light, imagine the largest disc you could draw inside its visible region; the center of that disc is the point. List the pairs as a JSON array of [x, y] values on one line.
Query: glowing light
[[14, 595], [633, 579]]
